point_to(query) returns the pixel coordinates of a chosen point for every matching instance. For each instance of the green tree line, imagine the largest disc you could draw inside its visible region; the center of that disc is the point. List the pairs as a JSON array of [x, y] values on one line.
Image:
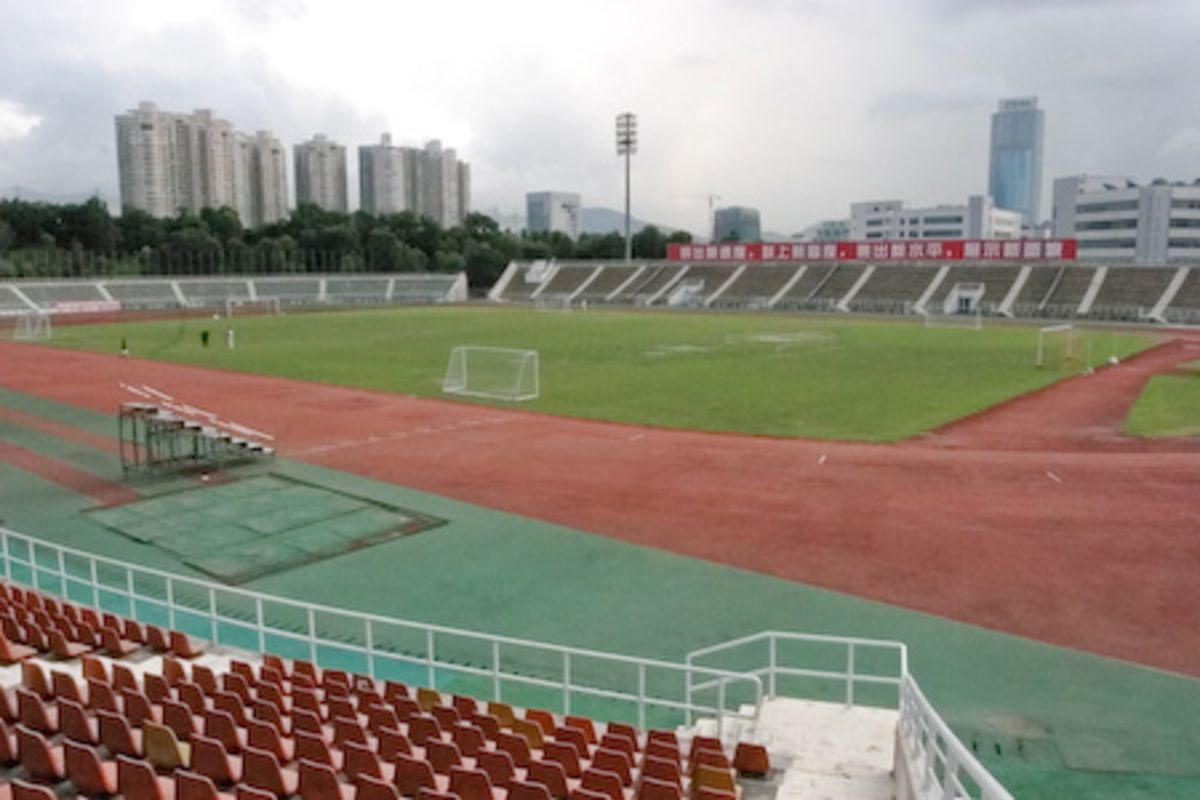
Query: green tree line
[[84, 239]]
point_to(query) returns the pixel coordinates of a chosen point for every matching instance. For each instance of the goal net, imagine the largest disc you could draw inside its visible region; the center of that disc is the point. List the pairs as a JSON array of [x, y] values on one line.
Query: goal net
[[497, 373], [554, 302], [244, 306], [969, 320], [32, 326], [1059, 347]]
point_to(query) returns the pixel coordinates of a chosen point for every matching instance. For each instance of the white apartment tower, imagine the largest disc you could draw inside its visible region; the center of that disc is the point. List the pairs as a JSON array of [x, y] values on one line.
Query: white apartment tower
[[320, 170], [170, 162], [386, 177], [430, 182]]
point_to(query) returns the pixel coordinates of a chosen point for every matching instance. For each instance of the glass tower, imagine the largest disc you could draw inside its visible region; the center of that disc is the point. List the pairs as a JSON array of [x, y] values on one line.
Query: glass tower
[[1015, 169]]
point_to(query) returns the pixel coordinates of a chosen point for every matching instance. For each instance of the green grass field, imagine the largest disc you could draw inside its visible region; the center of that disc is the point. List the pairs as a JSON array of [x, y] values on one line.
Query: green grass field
[[764, 374], [1169, 405]]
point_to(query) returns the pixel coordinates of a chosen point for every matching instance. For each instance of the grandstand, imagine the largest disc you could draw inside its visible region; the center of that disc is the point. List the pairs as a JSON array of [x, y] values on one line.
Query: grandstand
[[295, 291], [1058, 291], [142, 681]]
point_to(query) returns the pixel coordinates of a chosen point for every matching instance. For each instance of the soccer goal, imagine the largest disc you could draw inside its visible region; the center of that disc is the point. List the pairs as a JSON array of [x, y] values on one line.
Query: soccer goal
[[244, 306], [968, 320], [32, 326], [497, 373], [1059, 346]]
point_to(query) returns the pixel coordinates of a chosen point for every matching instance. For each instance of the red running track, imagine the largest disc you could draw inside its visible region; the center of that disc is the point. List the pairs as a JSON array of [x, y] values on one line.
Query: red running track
[[1036, 517]]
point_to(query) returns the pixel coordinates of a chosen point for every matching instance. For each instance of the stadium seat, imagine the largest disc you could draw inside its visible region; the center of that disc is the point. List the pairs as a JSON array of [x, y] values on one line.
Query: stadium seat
[[136, 781], [101, 697], [8, 746], [163, 750], [368, 788], [361, 760], [261, 770], [14, 652], [314, 747], [580, 793], [156, 640], [473, 784], [542, 718], [503, 713], [584, 725], [21, 790], [515, 746], [442, 756], [40, 761], [138, 708], [64, 649], [614, 761], [205, 678], [184, 646], [551, 775], [320, 782], [662, 769], [653, 789], [180, 719], [174, 671], [33, 679], [117, 736], [75, 724], [423, 728], [706, 777], [112, 643], [445, 715], [498, 765], [190, 695], [191, 786], [91, 775], [751, 759], [488, 724], [469, 739], [65, 687], [465, 706], [604, 782], [661, 749], [210, 759], [574, 737], [265, 736], [428, 698], [565, 755], [36, 715], [622, 729], [704, 743], [156, 687], [524, 790], [715, 759], [390, 742], [530, 731], [414, 774], [220, 726]]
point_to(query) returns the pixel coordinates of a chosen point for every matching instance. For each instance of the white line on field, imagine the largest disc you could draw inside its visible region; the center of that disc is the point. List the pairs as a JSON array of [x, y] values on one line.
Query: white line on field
[[821, 460], [1053, 477], [156, 392], [637, 436]]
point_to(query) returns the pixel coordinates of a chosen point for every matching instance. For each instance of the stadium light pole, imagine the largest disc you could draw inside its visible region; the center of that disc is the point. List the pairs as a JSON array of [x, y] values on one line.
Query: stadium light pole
[[627, 146]]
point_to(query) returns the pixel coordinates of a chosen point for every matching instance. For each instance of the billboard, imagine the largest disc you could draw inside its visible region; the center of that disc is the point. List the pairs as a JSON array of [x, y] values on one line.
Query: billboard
[[895, 250]]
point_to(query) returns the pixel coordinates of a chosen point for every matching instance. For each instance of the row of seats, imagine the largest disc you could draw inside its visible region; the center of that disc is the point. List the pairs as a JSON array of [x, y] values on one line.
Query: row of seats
[[289, 725]]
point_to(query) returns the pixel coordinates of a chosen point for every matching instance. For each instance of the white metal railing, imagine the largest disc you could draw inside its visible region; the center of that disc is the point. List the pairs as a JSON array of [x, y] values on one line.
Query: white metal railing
[[937, 761], [940, 765], [660, 692]]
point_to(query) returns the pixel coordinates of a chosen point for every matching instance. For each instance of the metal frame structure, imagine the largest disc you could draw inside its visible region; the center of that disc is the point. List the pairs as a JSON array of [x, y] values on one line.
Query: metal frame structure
[[151, 439]]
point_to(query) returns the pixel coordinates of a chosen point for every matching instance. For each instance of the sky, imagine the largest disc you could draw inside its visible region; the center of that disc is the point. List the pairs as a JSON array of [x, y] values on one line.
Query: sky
[[795, 107]]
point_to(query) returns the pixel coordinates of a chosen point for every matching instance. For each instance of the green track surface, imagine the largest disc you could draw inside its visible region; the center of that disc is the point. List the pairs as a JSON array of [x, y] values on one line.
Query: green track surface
[[1168, 406], [763, 374], [1049, 722]]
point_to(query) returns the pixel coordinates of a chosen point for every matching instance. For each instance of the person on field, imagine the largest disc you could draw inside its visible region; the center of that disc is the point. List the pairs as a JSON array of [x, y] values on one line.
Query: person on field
[[204, 338]]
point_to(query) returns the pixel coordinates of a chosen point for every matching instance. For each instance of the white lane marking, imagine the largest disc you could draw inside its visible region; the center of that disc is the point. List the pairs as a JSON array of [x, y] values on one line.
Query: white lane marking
[[821, 460], [635, 437], [1053, 477]]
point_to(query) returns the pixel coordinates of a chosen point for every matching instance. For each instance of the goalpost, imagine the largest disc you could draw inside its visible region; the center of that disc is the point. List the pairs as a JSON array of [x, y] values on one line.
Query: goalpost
[[244, 305], [497, 373], [32, 326], [1057, 346]]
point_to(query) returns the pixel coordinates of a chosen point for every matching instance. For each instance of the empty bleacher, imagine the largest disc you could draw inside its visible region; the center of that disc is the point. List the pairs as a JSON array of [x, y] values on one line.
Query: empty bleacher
[[997, 280], [1063, 301], [143, 294], [1129, 293], [1185, 306], [1035, 290], [47, 295], [840, 281], [755, 287], [608, 281], [213, 293], [109, 706], [11, 303], [893, 290], [801, 294], [711, 277], [648, 284], [567, 279], [289, 291]]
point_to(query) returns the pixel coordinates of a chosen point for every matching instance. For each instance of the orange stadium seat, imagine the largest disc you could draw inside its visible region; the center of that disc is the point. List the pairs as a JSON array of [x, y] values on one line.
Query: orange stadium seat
[[91, 775]]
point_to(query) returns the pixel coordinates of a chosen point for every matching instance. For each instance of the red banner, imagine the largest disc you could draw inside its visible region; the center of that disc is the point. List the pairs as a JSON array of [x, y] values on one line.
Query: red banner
[[887, 250]]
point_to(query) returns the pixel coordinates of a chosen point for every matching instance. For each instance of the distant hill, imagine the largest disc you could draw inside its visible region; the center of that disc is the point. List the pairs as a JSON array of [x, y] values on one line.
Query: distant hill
[[597, 219]]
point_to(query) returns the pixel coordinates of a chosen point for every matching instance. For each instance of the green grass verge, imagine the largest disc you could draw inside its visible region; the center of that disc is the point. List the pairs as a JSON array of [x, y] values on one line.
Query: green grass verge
[[762, 374], [1168, 406]]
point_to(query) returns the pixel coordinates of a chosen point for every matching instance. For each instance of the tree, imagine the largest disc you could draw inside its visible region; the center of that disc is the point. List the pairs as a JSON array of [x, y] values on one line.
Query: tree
[[649, 243], [383, 251], [222, 223]]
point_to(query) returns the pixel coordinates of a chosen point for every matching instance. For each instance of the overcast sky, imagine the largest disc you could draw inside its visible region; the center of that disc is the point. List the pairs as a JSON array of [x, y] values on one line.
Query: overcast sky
[[796, 107]]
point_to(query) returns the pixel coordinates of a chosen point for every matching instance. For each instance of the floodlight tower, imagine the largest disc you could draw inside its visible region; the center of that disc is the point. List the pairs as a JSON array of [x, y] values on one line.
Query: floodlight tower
[[627, 146]]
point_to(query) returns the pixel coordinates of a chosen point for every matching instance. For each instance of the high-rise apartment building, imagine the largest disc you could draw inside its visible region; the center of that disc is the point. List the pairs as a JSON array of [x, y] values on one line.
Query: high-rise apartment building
[[736, 224], [553, 211], [170, 162], [320, 170], [1015, 165], [386, 177], [429, 182]]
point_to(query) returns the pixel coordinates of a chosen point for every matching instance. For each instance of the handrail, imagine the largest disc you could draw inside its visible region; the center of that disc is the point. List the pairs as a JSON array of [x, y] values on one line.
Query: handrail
[[936, 758], [566, 656]]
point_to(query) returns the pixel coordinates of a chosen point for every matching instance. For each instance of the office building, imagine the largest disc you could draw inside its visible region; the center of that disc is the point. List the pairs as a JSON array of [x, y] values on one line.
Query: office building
[[979, 218], [320, 170], [736, 224], [547, 212], [1118, 220], [1015, 165], [169, 162]]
